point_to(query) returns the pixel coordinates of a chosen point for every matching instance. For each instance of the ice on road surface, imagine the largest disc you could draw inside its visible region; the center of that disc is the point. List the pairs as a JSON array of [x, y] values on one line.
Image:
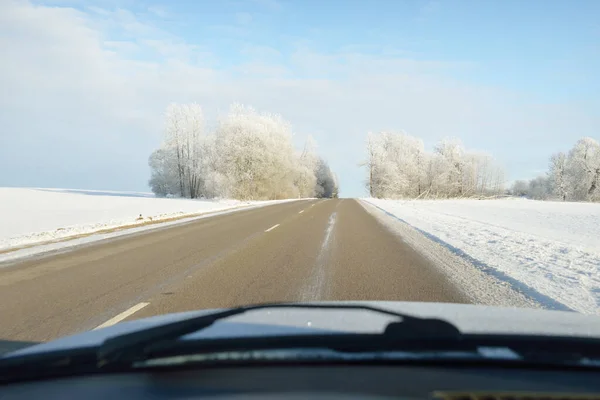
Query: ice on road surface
[[29, 216], [549, 251]]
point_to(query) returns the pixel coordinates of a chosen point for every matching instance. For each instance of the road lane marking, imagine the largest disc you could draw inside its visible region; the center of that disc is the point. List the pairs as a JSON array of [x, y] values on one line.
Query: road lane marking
[[271, 228], [301, 212], [122, 316]]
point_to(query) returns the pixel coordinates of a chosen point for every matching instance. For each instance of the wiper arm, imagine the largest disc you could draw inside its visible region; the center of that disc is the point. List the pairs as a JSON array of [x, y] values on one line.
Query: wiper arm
[[46, 364], [131, 347]]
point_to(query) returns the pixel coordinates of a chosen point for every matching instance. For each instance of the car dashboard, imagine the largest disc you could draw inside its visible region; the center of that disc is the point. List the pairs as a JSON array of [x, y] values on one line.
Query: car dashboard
[[320, 381]]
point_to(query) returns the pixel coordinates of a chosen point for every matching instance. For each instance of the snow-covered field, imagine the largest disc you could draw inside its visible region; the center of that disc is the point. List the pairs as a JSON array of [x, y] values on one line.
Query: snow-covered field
[[31, 216], [549, 251]]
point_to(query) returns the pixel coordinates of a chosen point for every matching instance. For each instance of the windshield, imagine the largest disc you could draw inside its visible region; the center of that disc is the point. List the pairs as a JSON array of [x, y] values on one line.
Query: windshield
[[159, 157]]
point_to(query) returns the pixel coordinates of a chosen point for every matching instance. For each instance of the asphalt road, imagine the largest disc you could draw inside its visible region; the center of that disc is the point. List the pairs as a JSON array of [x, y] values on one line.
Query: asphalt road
[[305, 250]]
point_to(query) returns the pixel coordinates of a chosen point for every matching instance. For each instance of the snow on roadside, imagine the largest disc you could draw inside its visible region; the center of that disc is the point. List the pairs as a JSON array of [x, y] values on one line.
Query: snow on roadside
[[31, 216], [549, 251]]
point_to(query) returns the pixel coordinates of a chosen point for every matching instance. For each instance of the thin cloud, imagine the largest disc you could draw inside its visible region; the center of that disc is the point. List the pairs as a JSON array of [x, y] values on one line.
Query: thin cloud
[[158, 11], [260, 52], [272, 5], [243, 18], [429, 9], [76, 94]]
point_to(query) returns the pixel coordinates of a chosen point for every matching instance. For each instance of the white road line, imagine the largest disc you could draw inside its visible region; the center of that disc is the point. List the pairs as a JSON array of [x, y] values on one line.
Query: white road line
[[271, 228], [122, 316], [301, 212]]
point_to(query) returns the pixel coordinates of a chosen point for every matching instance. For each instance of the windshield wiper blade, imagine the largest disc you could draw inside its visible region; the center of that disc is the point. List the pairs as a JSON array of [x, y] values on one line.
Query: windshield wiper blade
[[131, 347], [47, 364]]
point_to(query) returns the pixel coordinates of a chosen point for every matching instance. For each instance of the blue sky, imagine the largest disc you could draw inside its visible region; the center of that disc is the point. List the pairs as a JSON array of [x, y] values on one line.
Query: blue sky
[[86, 82]]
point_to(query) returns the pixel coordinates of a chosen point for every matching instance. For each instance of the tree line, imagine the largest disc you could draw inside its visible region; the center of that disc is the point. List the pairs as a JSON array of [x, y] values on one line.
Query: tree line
[[571, 176], [248, 156], [399, 167]]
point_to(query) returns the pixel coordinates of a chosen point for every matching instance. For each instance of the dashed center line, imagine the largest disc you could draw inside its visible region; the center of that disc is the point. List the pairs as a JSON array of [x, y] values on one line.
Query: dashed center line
[[122, 316], [301, 212], [271, 228]]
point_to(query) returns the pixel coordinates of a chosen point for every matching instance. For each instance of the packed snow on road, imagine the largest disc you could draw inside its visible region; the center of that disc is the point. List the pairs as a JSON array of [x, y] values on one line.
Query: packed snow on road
[[32, 216], [549, 251]]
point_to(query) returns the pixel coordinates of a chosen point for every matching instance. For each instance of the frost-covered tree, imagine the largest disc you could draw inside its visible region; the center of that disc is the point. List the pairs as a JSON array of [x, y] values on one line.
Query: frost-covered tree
[[451, 154], [520, 188], [306, 179], [374, 162], [572, 176], [326, 181], [256, 155], [399, 166], [336, 186], [583, 170], [164, 180], [250, 155], [540, 188], [558, 175], [184, 136]]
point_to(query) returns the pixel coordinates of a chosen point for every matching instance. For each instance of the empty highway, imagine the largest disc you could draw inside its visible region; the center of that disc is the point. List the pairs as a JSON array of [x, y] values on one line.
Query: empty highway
[[307, 250]]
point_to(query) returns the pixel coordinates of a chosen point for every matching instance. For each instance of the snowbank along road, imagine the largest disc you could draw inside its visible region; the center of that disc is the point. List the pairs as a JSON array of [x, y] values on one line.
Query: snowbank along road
[[548, 250], [307, 250], [38, 220]]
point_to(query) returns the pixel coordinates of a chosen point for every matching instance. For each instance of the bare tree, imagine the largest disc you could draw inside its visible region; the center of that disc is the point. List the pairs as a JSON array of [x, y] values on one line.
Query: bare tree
[[558, 175], [184, 135]]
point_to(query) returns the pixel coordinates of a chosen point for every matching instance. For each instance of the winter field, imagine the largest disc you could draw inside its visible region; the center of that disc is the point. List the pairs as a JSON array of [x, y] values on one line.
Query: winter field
[[549, 251], [32, 216]]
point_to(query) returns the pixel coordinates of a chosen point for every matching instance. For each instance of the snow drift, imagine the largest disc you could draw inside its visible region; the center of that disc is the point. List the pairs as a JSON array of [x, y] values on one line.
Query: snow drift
[[549, 251]]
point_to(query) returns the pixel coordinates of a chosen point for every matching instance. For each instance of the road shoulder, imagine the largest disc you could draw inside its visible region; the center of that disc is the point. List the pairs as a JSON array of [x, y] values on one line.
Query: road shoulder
[[479, 287]]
